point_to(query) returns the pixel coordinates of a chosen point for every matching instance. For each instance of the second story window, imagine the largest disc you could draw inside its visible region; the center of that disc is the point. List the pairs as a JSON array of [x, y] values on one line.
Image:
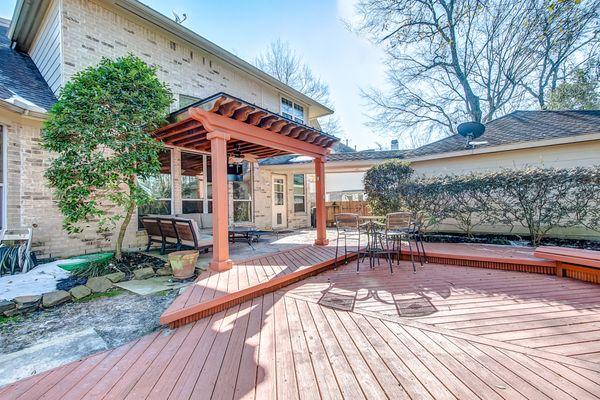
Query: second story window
[[292, 110]]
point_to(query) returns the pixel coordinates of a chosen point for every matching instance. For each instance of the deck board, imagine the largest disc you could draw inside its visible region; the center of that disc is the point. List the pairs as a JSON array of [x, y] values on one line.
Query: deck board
[[554, 314], [213, 291], [445, 332]]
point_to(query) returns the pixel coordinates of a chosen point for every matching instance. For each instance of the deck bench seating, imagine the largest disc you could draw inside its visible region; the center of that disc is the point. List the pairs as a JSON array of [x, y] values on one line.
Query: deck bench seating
[[172, 231], [577, 263]]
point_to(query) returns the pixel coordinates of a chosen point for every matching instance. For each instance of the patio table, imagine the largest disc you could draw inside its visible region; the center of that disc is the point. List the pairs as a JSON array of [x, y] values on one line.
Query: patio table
[[374, 246], [240, 232]]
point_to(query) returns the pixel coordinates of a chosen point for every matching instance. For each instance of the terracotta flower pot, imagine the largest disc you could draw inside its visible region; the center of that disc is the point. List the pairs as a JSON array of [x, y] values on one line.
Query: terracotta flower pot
[[183, 263]]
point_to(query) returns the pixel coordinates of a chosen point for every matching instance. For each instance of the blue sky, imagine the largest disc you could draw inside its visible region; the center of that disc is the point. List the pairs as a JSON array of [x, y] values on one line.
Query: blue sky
[[314, 28]]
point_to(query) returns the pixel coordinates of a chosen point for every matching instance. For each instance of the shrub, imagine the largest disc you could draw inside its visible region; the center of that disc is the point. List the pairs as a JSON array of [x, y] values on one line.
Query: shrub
[[384, 183], [538, 199], [99, 129], [542, 199]]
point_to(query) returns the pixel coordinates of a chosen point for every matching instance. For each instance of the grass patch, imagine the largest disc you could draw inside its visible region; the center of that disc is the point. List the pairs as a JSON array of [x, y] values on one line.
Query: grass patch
[[95, 296], [13, 319]]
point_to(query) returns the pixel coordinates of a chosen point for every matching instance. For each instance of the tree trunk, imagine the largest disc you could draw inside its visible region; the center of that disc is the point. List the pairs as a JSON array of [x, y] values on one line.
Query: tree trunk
[[125, 224]]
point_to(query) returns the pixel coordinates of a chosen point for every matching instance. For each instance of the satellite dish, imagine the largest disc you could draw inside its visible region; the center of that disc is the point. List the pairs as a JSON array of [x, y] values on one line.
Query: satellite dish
[[470, 131]]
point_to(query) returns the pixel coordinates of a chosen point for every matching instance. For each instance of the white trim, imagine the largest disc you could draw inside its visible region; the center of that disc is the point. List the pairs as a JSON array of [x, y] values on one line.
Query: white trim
[[4, 210]]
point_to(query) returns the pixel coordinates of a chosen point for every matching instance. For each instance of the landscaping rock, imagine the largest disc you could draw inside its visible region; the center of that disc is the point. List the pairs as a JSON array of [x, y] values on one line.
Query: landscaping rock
[[23, 305], [79, 292], [19, 311], [99, 284], [143, 273], [27, 301], [55, 298], [115, 277], [165, 271], [6, 305]]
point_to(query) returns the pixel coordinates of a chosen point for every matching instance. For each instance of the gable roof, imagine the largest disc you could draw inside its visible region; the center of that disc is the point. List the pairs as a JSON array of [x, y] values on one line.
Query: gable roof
[[519, 127], [21, 84]]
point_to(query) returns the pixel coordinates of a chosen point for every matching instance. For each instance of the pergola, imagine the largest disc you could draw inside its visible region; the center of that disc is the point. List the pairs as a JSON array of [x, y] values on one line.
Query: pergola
[[225, 125]]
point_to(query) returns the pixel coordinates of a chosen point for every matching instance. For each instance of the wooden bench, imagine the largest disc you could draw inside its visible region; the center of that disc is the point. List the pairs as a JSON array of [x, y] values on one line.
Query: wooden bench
[[573, 263]]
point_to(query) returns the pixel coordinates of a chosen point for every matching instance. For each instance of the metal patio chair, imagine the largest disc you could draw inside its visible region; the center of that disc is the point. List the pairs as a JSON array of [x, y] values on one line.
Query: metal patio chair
[[347, 226], [417, 232], [398, 226]]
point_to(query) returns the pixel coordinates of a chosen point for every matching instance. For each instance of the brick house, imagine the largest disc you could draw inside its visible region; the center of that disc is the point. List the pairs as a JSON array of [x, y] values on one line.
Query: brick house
[[48, 41]]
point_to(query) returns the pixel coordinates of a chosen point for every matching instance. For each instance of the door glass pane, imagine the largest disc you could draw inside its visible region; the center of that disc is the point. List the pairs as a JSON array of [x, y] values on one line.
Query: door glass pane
[[278, 191]]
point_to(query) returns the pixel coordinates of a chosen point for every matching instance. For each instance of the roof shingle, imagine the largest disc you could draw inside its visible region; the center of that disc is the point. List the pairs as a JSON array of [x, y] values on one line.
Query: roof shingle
[[19, 77], [521, 126]]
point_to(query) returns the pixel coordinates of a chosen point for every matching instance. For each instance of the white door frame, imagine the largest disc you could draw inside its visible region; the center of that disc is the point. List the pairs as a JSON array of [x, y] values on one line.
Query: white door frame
[[279, 210]]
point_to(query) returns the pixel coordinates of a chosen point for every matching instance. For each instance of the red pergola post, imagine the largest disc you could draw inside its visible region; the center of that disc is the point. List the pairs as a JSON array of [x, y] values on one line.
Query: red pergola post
[[320, 202], [220, 201]]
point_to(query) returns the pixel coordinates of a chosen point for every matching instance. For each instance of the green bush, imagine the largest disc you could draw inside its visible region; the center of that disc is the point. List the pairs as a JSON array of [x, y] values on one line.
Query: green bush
[[538, 199], [99, 130], [383, 185]]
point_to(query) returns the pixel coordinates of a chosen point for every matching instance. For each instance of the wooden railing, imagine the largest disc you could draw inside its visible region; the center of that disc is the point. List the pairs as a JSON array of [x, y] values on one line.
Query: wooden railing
[[336, 207]]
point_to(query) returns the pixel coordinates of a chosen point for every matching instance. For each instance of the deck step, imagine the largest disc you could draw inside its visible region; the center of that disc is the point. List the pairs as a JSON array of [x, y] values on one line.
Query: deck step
[[203, 299]]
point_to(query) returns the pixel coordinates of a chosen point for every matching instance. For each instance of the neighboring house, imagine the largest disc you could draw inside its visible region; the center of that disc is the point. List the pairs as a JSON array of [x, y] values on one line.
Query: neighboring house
[[48, 41], [560, 139]]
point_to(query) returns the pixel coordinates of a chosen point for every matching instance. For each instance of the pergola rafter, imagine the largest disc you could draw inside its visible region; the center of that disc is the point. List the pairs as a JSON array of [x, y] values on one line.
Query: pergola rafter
[[226, 125]]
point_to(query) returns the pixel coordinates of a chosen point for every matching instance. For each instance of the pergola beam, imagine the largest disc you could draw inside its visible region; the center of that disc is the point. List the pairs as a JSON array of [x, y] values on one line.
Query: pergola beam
[[252, 134]]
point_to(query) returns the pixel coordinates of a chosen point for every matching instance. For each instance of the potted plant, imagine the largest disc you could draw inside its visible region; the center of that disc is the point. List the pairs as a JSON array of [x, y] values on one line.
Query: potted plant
[[183, 263]]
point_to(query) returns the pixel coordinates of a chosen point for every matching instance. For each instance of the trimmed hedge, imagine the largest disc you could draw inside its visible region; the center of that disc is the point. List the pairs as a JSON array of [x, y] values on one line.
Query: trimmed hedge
[[538, 199]]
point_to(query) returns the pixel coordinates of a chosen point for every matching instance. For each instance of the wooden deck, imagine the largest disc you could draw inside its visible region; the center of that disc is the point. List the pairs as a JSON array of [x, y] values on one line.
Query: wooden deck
[[549, 313], [216, 291], [446, 332]]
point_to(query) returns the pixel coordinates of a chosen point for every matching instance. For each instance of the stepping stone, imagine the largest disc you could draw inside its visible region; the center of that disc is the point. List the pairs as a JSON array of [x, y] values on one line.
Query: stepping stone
[[27, 301], [152, 285], [79, 292], [55, 298], [99, 284], [143, 273], [115, 277], [67, 347]]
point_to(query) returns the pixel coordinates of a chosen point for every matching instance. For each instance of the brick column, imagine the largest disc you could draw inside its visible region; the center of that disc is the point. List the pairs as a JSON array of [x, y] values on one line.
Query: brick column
[[218, 151], [320, 201]]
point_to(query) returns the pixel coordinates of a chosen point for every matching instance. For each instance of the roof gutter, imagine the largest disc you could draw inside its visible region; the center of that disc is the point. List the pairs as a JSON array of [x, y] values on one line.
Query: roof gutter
[[23, 111]]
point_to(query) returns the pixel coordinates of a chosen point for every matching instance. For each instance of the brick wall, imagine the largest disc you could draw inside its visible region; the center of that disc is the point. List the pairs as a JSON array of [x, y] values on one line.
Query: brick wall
[[30, 201], [92, 30]]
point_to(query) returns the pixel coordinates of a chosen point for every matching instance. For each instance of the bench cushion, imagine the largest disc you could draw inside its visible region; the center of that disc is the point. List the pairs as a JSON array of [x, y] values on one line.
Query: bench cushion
[[589, 258]]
